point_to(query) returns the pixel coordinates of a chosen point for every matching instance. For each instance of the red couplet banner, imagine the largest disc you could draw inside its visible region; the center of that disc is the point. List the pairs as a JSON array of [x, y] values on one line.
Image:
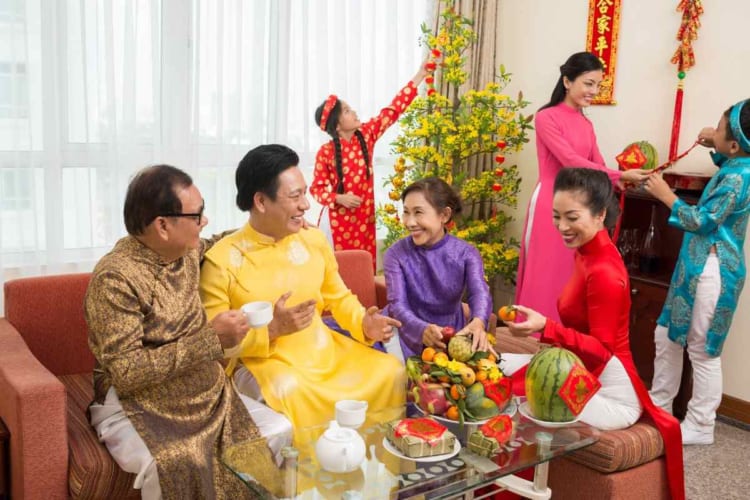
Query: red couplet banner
[[601, 39]]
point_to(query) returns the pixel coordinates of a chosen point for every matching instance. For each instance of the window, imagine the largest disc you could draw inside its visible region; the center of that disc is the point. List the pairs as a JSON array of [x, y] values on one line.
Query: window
[[92, 91]]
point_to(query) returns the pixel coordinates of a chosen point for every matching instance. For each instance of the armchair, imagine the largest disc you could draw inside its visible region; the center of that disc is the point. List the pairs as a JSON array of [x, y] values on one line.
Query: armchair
[[45, 389]]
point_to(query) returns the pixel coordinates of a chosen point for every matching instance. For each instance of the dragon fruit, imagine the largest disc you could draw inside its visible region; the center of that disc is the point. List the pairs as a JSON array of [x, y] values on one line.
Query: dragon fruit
[[431, 398]]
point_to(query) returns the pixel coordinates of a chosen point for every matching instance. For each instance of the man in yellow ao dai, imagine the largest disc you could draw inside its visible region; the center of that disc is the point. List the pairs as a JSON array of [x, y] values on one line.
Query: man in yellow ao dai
[[300, 365]]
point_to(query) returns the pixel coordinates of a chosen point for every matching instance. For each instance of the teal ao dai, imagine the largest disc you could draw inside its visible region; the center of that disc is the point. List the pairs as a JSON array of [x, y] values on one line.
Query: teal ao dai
[[718, 219]]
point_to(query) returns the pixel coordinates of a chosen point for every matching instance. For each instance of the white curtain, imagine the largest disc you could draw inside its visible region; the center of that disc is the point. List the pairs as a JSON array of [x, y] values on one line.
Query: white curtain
[[93, 90]]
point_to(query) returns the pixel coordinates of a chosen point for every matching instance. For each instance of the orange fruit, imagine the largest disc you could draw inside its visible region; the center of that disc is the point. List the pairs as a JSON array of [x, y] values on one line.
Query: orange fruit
[[481, 375], [452, 413], [428, 354], [507, 313], [492, 358], [458, 392]]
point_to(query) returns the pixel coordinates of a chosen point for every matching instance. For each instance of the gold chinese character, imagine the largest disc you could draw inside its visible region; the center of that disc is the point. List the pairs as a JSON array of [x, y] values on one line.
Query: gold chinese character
[[602, 24], [603, 5], [601, 45]]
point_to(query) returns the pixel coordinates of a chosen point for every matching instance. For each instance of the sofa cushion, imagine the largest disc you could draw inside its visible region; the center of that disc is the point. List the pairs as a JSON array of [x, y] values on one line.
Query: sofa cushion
[[622, 449], [92, 471]]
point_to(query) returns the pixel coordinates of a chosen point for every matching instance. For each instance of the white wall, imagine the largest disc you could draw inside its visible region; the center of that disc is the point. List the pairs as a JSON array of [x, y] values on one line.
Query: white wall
[[537, 37]]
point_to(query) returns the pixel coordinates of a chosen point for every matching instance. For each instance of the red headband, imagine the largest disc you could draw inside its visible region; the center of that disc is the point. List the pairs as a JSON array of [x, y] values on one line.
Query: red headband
[[327, 108]]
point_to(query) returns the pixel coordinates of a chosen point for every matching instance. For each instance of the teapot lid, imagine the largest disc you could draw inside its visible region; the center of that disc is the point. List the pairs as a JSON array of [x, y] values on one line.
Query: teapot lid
[[339, 434]]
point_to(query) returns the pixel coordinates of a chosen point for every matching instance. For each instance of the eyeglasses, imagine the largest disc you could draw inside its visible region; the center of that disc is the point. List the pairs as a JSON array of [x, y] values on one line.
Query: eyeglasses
[[198, 217]]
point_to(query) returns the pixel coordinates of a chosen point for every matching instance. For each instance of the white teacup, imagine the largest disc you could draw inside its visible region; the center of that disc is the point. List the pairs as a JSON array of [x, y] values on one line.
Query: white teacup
[[350, 413], [258, 313]]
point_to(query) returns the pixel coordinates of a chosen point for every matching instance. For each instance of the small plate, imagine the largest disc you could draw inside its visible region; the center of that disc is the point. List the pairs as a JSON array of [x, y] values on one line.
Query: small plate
[[526, 412], [435, 458]]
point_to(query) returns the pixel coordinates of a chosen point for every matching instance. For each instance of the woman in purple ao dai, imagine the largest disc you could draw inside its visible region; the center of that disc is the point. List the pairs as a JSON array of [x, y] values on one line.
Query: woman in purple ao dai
[[429, 273]]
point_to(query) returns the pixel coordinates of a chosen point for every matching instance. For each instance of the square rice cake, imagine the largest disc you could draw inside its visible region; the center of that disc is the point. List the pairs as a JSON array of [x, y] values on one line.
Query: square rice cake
[[416, 447]]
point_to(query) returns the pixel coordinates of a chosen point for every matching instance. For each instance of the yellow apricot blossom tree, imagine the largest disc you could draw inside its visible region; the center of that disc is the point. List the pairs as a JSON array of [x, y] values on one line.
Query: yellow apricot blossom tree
[[443, 131]]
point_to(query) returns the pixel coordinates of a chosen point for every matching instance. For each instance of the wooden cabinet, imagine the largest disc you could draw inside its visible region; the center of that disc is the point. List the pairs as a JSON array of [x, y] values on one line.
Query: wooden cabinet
[[649, 290]]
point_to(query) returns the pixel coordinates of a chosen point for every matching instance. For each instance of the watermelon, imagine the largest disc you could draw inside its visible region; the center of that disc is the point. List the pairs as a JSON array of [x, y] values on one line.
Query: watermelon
[[545, 375], [649, 151]]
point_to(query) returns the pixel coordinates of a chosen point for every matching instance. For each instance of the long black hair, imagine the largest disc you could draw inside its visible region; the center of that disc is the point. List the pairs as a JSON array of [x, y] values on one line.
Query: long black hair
[[576, 65], [333, 120]]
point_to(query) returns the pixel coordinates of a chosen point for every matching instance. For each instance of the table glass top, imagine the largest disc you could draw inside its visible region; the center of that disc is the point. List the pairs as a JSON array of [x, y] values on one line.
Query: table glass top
[[384, 474]]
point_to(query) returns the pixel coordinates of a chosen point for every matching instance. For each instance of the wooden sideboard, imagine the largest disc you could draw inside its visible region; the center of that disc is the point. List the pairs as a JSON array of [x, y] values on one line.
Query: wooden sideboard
[[649, 290]]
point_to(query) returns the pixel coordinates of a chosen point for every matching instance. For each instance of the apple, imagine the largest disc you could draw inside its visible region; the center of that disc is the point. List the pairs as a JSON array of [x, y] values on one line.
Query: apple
[[448, 332]]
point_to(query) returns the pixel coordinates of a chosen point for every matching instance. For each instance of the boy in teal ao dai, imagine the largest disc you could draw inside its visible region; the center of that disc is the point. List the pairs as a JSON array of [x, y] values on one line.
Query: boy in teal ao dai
[[708, 276]]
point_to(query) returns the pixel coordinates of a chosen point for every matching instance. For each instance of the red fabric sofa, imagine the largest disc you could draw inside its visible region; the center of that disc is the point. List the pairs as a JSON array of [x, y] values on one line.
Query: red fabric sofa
[[46, 385]]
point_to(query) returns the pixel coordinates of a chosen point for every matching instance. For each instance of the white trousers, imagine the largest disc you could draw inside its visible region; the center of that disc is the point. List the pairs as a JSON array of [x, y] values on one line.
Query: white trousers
[[132, 455], [614, 406], [707, 376]]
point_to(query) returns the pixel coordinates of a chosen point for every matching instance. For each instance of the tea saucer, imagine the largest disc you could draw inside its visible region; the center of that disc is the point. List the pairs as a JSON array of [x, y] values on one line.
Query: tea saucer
[[435, 458]]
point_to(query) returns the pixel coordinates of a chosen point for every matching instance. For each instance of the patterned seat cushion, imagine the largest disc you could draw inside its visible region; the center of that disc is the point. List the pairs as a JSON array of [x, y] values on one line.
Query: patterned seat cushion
[[623, 449], [616, 450], [92, 471]]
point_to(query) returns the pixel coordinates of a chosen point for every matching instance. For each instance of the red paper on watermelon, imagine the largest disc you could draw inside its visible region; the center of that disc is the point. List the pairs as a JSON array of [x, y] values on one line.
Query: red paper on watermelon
[[578, 388], [499, 391], [631, 158], [499, 428], [423, 428]]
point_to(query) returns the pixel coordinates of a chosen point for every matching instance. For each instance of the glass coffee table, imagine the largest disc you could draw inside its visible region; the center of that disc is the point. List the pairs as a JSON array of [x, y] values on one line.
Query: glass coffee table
[[384, 474]]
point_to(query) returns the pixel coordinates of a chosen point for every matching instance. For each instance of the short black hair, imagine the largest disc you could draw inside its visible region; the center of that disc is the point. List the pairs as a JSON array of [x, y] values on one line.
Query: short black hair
[[596, 187], [259, 172], [153, 192], [744, 121], [438, 193]]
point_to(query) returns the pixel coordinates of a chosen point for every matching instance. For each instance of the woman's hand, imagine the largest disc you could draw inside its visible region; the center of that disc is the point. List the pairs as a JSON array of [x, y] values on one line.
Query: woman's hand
[[377, 327], [475, 328], [432, 336], [348, 200], [634, 176], [534, 322], [706, 137]]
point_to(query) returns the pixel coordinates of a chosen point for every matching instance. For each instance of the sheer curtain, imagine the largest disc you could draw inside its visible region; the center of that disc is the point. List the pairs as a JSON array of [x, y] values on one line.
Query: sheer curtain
[[91, 91]]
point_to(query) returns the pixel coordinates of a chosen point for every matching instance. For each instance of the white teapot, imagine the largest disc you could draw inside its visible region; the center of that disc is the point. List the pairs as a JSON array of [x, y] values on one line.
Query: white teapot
[[340, 449]]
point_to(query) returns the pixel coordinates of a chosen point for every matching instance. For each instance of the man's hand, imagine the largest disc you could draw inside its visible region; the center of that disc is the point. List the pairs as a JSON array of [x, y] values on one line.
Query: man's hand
[[348, 200], [230, 327], [378, 327], [432, 336], [534, 322], [288, 320]]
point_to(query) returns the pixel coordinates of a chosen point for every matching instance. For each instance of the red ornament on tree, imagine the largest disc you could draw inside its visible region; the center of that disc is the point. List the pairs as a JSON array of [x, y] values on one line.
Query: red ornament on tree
[[496, 187], [430, 91], [430, 66], [499, 159], [436, 53], [501, 144], [499, 172], [430, 80]]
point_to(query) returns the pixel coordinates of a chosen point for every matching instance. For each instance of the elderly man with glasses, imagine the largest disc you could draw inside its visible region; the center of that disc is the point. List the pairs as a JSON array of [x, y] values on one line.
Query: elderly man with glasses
[[162, 403]]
